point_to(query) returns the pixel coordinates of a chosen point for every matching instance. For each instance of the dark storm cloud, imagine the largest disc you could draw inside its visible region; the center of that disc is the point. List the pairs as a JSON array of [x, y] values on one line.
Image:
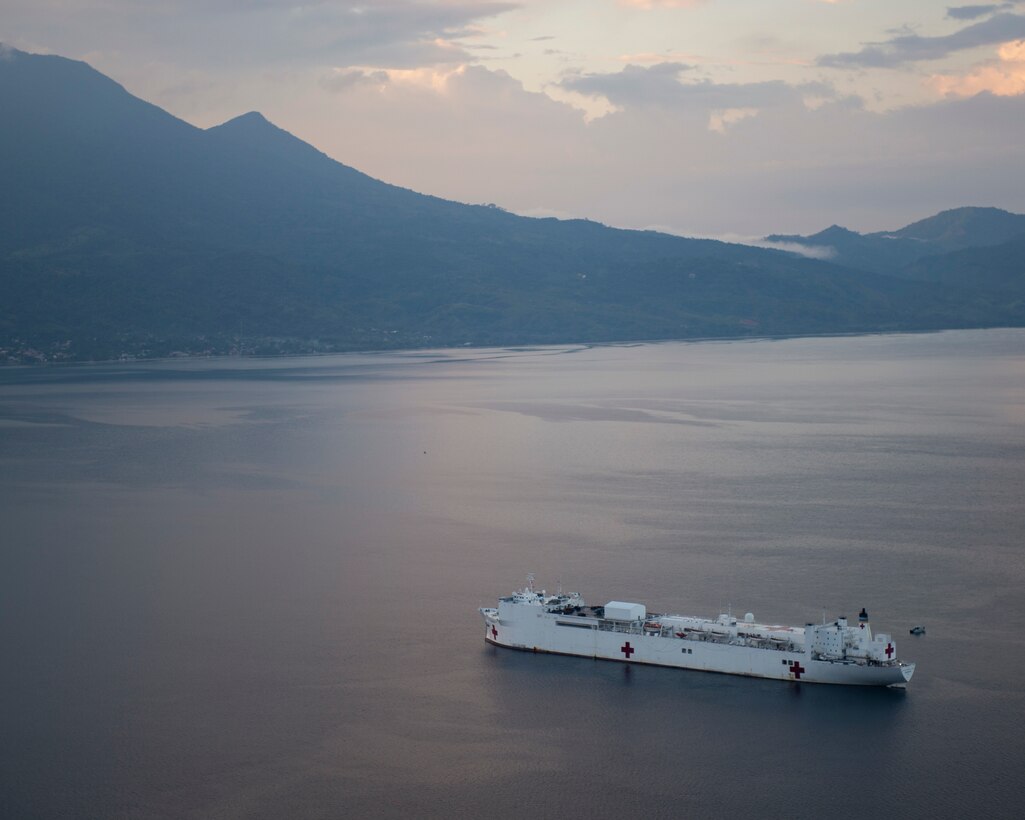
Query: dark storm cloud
[[909, 48], [660, 86]]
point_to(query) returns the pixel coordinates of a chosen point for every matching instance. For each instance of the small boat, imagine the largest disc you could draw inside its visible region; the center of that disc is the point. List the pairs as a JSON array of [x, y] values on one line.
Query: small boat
[[918, 630]]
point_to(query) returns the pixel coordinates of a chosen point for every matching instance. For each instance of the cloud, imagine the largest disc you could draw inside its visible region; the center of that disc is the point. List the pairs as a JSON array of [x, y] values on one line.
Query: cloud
[[823, 252], [471, 134], [250, 33], [975, 12], [720, 120], [395, 89], [342, 79], [634, 85], [477, 135], [661, 85], [1005, 77], [908, 48]]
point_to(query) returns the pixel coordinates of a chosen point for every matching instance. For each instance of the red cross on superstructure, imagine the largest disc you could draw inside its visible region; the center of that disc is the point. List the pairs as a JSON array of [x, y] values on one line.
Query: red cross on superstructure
[[889, 650], [494, 632], [796, 670], [627, 650]]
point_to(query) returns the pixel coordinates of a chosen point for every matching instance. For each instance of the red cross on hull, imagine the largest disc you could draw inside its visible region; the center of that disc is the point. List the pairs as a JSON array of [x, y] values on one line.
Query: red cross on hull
[[627, 650], [797, 670]]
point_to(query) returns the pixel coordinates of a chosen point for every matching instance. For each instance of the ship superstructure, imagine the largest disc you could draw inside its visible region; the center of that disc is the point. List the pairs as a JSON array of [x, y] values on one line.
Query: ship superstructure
[[836, 652]]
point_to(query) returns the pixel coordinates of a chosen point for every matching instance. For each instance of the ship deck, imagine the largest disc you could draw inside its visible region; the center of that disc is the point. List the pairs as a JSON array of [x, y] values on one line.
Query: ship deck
[[741, 638]]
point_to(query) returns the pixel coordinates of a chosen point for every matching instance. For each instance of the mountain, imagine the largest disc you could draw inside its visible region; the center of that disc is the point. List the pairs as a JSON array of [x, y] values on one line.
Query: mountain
[[965, 228], [905, 252], [126, 231], [872, 252], [998, 271]]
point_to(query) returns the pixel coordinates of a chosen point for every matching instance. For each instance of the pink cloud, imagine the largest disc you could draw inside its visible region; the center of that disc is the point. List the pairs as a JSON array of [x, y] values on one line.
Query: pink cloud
[[1004, 77]]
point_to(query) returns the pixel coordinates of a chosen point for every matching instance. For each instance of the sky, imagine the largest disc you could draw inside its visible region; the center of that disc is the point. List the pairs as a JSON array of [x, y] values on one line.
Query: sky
[[723, 118]]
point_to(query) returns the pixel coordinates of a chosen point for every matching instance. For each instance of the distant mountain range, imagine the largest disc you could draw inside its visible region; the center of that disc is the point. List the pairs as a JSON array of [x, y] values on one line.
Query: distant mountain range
[[918, 251], [127, 232]]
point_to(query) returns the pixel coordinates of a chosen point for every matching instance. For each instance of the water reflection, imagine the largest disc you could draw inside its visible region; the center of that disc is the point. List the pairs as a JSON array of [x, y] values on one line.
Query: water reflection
[[244, 588]]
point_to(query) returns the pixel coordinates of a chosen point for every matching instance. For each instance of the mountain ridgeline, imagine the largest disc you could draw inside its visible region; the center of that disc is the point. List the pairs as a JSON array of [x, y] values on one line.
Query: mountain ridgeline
[[125, 231], [923, 250]]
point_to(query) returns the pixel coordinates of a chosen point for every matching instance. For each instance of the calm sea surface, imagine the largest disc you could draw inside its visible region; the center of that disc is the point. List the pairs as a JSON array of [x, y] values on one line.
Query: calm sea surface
[[242, 588]]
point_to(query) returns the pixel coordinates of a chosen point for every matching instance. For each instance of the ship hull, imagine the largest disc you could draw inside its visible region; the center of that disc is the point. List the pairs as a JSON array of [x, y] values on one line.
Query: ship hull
[[545, 632]]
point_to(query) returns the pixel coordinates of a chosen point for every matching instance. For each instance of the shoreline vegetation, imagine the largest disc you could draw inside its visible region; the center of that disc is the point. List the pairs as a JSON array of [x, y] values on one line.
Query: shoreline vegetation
[[255, 354]]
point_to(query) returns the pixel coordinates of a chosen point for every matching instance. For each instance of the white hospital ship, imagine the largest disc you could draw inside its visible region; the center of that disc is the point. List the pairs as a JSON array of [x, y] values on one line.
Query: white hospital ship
[[835, 652]]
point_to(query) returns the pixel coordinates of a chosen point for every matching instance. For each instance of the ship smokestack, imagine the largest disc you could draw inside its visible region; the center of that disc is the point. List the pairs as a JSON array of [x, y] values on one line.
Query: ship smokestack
[[866, 630]]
